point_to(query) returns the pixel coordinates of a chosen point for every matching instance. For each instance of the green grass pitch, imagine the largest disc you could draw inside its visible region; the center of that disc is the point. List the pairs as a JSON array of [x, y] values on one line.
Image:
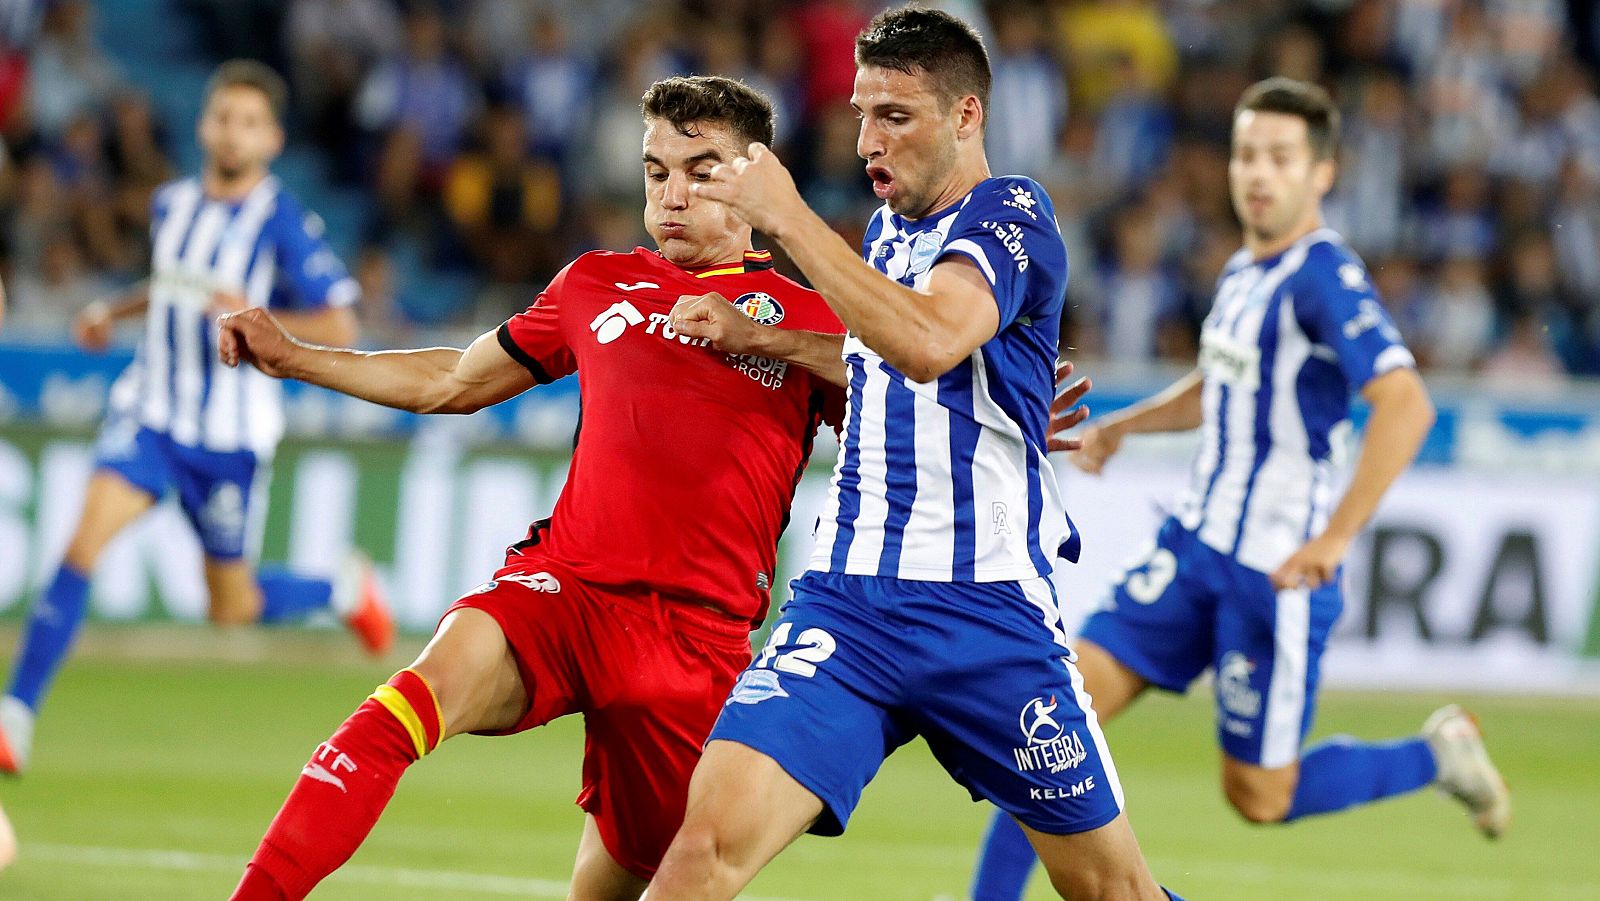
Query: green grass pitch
[[153, 779]]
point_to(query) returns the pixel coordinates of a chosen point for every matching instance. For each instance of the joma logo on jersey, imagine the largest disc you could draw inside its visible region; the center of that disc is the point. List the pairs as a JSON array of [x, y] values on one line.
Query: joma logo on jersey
[[539, 581], [1050, 746], [1230, 360], [1010, 235]]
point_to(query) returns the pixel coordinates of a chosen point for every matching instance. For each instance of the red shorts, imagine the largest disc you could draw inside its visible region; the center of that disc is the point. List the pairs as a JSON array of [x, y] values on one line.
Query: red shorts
[[650, 676]]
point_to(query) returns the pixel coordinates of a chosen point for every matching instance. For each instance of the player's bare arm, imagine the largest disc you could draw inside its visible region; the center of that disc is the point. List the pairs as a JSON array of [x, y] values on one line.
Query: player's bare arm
[[328, 326], [923, 334], [92, 327], [713, 317], [1402, 414], [430, 380], [1177, 409]]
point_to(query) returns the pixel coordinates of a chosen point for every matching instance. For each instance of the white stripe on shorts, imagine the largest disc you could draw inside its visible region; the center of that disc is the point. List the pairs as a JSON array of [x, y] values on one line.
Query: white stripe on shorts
[[1086, 704], [1286, 695]]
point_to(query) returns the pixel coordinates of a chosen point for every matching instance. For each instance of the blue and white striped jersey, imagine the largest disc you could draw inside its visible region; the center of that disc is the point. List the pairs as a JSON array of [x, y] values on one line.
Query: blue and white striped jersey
[[1288, 339], [947, 480], [267, 248]]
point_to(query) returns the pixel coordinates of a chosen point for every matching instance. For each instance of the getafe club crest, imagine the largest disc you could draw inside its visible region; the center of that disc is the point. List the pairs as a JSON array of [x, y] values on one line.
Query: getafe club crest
[[760, 306]]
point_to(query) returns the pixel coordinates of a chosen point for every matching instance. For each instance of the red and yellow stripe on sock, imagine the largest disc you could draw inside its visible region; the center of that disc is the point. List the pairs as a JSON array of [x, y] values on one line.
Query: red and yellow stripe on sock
[[411, 699]]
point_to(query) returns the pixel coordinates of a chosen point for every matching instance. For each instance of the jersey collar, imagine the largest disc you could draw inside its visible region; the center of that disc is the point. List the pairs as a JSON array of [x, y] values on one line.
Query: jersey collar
[[752, 261]]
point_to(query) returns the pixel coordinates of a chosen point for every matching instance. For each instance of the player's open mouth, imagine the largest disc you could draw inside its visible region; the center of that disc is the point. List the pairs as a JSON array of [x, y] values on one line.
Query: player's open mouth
[[882, 181]]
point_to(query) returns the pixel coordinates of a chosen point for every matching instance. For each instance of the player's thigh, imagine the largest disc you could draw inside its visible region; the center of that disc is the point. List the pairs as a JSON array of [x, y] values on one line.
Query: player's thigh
[[233, 595], [821, 697], [1268, 646], [654, 688], [744, 808], [110, 503], [1102, 864], [596, 875], [1158, 622], [473, 674], [1111, 685], [1005, 711]]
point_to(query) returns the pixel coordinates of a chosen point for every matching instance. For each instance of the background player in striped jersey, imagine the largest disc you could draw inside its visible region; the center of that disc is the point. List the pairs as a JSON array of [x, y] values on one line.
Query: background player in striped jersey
[[224, 240], [927, 609], [1244, 576], [633, 603]]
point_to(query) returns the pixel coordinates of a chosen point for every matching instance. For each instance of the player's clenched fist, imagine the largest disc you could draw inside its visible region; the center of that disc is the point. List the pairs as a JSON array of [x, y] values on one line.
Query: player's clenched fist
[[712, 316], [253, 336], [757, 187]]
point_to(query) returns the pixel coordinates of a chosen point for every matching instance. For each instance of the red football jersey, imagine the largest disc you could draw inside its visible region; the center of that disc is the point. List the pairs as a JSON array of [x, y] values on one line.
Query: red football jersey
[[687, 457]]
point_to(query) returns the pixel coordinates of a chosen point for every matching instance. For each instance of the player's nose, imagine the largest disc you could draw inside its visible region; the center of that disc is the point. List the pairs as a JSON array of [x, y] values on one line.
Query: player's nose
[[676, 196]]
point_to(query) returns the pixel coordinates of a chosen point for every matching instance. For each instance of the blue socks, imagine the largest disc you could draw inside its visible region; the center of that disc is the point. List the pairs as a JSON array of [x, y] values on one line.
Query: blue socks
[[1006, 862], [286, 597], [1343, 772], [47, 637]]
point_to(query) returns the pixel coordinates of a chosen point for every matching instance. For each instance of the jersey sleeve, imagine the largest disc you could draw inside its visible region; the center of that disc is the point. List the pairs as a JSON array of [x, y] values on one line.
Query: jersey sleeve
[[310, 274], [1339, 309], [1009, 231], [534, 337]]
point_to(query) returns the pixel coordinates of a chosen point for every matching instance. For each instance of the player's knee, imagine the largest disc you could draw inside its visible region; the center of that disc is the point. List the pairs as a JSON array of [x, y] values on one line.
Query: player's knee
[[1258, 800]]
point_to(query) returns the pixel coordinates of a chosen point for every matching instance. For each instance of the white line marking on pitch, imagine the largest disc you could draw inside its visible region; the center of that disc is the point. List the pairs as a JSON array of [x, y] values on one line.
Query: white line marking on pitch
[[191, 861]]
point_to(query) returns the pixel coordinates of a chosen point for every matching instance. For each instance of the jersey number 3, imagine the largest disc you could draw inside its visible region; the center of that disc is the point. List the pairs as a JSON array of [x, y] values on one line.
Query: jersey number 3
[[811, 648]]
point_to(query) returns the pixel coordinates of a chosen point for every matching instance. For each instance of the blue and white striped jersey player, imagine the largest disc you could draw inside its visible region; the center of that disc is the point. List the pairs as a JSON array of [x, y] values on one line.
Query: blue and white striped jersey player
[[1244, 576], [181, 422], [927, 609]]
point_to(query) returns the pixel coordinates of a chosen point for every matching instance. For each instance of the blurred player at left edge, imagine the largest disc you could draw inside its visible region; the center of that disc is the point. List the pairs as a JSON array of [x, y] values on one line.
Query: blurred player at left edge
[[227, 239]]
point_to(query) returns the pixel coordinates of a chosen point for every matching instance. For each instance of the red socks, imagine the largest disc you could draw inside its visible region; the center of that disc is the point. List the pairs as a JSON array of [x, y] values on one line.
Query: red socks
[[343, 789]]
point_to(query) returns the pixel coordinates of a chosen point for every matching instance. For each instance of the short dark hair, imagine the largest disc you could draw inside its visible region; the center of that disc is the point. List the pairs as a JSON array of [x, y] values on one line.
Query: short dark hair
[[916, 40], [249, 73], [688, 101], [1297, 98]]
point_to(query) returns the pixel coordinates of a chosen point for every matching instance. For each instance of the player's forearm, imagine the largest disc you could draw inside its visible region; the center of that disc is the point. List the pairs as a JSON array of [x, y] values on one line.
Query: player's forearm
[[1176, 409], [415, 380], [899, 324], [131, 304], [817, 352], [328, 327], [1395, 431]]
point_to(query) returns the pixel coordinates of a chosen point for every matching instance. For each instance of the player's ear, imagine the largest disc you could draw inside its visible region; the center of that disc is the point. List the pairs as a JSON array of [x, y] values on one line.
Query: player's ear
[[969, 117], [1323, 175]]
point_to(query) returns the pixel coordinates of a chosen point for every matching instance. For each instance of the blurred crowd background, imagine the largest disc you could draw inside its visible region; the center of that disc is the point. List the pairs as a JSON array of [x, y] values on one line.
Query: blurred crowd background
[[463, 151]]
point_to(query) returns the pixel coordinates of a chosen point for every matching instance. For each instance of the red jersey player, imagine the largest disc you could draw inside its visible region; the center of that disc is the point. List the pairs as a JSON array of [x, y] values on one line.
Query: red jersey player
[[633, 602]]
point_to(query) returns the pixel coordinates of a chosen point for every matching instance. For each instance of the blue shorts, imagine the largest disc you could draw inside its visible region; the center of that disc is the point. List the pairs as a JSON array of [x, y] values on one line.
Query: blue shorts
[[1186, 607], [859, 665], [213, 486]]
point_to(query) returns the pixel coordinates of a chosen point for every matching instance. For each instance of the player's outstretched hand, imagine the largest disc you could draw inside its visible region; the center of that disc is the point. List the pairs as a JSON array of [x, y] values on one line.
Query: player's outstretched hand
[[712, 316], [253, 336], [91, 328], [757, 187], [1065, 412], [1313, 565]]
